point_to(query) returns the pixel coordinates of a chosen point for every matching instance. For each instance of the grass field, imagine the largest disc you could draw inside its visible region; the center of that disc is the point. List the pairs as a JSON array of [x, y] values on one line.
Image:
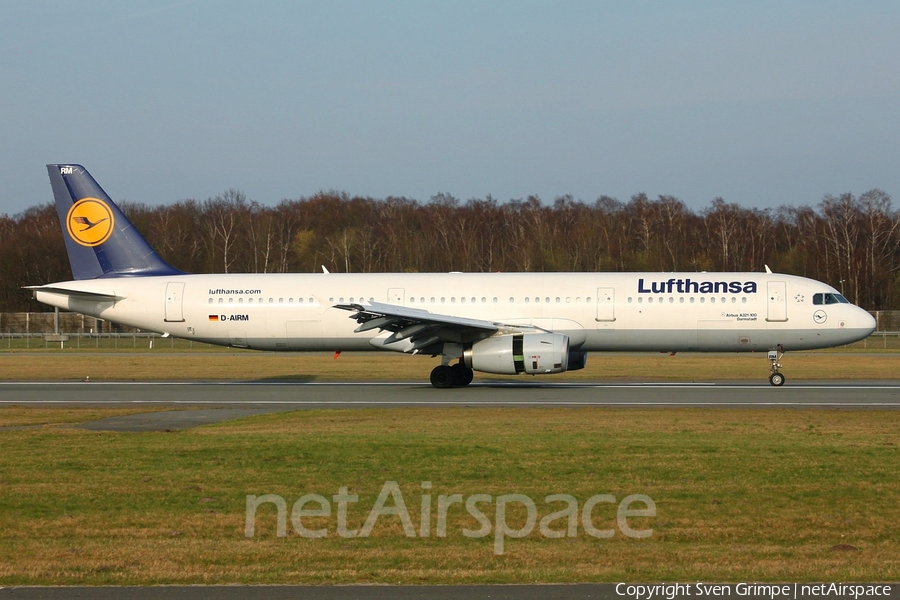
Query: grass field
[[142, 342], [769, 495], [247, 365]]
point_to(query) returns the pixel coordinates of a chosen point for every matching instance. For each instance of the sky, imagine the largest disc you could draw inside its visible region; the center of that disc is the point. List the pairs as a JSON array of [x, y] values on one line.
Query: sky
[[760, 103]]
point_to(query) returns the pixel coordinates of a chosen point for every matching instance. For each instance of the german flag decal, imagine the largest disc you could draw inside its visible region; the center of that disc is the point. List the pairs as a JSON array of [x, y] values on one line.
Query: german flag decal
[[213, 317]]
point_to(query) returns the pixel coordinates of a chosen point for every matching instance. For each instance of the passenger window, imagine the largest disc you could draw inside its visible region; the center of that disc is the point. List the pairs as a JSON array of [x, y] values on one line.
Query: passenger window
[[210, 301]]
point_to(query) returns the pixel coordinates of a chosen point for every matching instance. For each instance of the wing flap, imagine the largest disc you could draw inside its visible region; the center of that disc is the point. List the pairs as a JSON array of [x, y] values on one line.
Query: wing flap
[[398, 314], [422, 328]]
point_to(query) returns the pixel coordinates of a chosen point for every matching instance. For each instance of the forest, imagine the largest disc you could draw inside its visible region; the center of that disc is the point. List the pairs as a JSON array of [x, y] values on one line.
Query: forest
[[851, 242]]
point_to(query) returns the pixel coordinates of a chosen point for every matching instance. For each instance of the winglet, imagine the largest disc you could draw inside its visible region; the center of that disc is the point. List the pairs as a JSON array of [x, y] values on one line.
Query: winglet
[[100, 241]]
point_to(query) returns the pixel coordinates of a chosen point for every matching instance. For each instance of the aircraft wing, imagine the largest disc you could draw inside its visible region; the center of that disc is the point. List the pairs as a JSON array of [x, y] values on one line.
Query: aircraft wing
[[426, 331]]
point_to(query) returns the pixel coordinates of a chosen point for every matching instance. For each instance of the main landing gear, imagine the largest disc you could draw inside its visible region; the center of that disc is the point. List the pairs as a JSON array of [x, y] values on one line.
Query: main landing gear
[[446, 376], [776, 378]]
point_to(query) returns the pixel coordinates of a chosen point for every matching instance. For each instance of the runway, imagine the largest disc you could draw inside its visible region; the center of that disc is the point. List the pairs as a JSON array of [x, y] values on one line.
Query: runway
[[299, 395], [199, 403]]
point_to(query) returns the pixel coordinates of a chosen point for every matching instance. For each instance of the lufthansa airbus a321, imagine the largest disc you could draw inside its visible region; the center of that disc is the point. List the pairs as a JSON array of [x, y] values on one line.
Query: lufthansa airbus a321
[[534, 323]]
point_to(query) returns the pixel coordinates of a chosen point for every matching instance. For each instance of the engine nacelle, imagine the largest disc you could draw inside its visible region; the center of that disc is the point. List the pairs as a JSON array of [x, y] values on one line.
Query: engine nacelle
[[532, 353]]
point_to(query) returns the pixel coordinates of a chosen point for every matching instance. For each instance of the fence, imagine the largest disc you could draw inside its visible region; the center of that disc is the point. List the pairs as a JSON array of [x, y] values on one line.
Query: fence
[[73, 330], [36, 330]]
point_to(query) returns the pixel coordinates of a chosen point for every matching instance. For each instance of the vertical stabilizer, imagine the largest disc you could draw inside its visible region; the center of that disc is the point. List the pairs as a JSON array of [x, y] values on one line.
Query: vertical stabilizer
[[100, 241]]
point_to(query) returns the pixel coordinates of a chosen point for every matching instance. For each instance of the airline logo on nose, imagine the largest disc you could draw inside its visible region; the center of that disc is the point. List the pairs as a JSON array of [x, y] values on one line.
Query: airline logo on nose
[[90, 222]]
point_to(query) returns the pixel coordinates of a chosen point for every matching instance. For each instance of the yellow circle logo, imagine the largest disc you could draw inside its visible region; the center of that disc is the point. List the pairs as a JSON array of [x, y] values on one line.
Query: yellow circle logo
[[90, 222]]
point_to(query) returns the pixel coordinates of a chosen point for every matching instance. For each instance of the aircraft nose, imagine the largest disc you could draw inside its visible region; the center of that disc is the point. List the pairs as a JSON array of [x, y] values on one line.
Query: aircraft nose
[[867, 321]]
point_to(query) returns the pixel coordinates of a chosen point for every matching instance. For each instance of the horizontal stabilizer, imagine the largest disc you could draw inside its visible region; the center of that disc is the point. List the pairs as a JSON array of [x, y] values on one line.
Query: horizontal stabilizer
[[80, 294]]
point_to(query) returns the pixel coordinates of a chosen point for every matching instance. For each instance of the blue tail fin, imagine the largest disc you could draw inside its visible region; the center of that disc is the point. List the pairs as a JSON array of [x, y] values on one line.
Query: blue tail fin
[[99, 239]]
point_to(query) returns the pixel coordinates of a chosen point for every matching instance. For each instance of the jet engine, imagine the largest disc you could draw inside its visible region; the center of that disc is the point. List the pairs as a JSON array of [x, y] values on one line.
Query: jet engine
[[533, 353]]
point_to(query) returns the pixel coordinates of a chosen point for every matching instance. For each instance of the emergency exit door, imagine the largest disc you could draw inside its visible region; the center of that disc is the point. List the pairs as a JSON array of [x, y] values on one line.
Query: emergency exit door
[[174, 300], [606, 305], [776, 300]]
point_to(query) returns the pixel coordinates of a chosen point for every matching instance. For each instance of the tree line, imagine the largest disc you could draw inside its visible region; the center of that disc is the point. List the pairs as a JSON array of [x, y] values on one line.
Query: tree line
[[851, 242]]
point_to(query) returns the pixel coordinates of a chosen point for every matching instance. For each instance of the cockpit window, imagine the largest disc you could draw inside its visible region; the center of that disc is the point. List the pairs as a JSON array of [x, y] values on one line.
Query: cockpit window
[[829, 299]]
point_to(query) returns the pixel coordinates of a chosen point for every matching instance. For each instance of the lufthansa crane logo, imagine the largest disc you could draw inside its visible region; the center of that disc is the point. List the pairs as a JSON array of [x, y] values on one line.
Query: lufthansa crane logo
[[90, 222]]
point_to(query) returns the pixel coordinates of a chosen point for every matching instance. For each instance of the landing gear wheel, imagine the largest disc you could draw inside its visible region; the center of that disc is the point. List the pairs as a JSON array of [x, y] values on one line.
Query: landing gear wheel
[[442, 377], [462, 374], [776, 378]]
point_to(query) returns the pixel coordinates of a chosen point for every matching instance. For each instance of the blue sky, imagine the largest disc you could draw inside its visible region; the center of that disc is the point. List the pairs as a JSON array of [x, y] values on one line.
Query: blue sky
[[761, 103]]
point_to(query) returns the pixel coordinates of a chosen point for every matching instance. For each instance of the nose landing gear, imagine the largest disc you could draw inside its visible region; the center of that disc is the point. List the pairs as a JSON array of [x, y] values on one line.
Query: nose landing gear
[[776, 378]]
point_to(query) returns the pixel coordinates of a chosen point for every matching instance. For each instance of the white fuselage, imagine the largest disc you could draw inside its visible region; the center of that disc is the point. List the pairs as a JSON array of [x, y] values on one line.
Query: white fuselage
[[598, 311]]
